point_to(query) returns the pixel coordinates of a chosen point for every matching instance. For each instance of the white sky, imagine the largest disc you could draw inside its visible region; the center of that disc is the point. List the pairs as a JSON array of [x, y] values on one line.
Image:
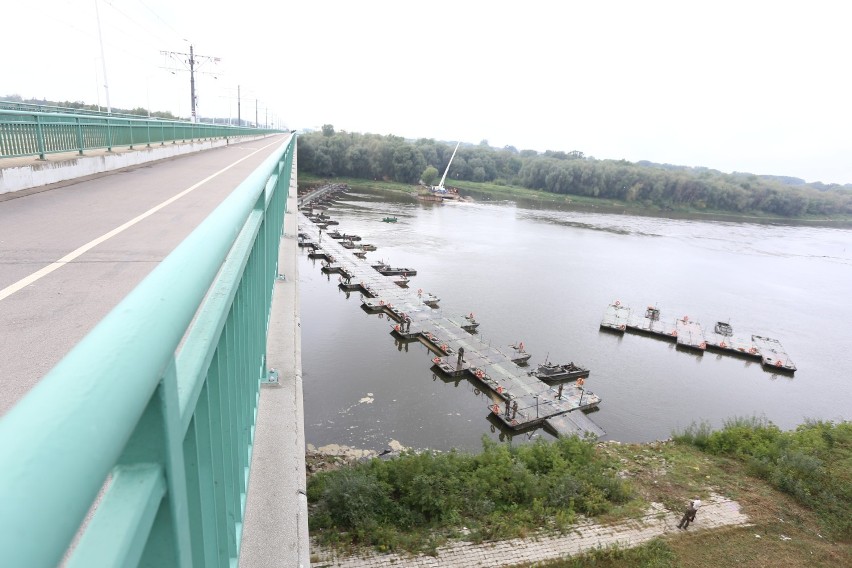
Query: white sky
[[752, 86]]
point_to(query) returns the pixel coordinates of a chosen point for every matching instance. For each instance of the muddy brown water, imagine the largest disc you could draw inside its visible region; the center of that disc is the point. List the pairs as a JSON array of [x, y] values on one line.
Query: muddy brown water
[[544, 276]]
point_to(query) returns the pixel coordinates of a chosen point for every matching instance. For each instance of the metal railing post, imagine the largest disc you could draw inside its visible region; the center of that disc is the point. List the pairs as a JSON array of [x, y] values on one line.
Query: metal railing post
[[40, 138], [79, 136]]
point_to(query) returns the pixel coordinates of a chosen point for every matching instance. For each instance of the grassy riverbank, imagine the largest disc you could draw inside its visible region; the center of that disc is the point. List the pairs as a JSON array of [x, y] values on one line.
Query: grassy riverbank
[[796, 488], [495, 192]]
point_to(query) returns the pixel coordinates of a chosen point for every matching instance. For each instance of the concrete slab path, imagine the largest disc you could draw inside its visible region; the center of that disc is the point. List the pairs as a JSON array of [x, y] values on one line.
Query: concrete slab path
[[716, 512]]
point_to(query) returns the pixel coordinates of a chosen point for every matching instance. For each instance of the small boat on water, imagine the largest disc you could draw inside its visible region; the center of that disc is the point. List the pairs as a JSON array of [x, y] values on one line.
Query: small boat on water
[[522, 356], [402, 282], [386, 270], [471, 324], [389, 220], [724, 328], [430, 300], [368, 247], [551, 373]]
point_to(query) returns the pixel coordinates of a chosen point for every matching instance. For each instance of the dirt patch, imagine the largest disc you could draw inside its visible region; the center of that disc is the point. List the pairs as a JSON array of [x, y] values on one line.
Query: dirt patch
[[335, 456]]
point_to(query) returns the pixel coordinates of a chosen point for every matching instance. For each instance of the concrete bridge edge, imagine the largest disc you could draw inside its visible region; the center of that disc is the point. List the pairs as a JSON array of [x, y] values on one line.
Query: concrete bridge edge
[[69, 166], [275, 527]]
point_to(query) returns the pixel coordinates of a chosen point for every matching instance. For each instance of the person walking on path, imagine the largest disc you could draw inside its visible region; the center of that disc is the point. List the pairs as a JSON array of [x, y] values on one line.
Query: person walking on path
[[689, 514]]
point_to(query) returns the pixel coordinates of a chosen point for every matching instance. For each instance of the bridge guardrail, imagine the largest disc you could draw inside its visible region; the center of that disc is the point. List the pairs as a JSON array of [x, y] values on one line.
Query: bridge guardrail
[[25, 133], [34, 107], [156, 406]]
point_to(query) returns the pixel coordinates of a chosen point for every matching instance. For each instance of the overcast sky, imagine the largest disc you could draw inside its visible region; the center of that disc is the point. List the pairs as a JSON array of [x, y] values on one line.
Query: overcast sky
[[762, 87]]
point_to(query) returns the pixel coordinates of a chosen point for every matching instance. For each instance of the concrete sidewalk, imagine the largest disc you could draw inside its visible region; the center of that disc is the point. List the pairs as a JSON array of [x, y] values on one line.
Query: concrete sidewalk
[[716, 512], [275, 527]]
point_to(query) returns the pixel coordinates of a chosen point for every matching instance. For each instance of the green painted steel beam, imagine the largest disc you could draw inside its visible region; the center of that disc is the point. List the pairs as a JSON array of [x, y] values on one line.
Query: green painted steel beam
[[119, 530], [196, 354], [30, 133]]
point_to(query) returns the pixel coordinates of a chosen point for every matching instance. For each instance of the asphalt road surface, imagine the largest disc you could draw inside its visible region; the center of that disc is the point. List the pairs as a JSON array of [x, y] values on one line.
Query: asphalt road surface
[[64, 263]]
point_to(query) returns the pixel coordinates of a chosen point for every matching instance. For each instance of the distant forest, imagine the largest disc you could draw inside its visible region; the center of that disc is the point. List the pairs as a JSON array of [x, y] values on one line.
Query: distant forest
[[371, 156], [73, 105]]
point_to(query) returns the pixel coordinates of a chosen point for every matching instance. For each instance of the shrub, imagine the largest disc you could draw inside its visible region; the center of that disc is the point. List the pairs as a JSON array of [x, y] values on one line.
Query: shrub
[[499, 492], [352, 499], [812, 463], [697, 435]]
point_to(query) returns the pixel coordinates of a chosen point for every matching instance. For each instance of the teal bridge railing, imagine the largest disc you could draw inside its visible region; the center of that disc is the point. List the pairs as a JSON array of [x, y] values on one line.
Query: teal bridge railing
[[27, 133], [151, 416]]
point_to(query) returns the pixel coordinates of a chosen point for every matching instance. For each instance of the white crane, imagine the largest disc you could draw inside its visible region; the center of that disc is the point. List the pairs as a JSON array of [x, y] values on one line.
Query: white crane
[[440, 187]]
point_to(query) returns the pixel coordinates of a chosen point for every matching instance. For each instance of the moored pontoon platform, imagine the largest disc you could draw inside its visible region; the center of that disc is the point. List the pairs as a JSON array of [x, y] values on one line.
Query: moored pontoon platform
[[689, 334]]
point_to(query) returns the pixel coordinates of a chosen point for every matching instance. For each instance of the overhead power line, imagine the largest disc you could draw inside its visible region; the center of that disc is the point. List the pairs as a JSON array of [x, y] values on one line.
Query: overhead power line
[[156, 15], [191, 61], [147, 32]]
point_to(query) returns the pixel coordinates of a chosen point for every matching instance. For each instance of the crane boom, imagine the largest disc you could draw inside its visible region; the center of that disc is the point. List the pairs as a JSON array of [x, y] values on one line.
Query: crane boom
[[443, 177]]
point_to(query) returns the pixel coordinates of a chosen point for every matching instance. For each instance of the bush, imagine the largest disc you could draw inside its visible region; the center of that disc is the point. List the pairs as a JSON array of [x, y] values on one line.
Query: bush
[[499, 492], [697, 435], [354, 499], [812, 463]]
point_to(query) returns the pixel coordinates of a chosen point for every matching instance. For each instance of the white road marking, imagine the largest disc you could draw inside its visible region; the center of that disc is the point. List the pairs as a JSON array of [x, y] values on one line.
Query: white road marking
[[27, 280]]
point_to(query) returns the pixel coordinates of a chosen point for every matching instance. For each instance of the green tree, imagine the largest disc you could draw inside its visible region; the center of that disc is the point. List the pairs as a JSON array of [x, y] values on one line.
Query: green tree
[[373, 156], [429, 174], [408, 163]]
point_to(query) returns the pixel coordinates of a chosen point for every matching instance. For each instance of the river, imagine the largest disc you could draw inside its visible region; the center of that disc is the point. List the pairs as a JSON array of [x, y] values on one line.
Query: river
[[544, 276]]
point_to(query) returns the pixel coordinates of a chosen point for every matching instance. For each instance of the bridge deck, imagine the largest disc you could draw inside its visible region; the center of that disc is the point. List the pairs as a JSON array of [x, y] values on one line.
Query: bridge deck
[[518, 399]]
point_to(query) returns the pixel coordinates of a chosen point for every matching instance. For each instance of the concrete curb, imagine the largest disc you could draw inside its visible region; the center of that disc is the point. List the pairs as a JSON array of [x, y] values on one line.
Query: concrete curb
[[27, 173]]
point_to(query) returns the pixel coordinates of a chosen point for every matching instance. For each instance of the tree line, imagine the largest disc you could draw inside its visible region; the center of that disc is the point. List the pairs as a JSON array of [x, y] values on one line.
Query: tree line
[[79, 105], [392, 158]]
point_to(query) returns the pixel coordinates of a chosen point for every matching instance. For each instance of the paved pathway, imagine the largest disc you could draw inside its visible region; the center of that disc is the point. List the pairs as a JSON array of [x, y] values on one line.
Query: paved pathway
[[717, 511]]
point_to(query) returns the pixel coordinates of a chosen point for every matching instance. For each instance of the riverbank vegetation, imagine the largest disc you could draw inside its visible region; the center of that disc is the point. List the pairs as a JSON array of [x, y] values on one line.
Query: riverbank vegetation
[[664, 187], [812, 464], [796, 488], [418, 501]]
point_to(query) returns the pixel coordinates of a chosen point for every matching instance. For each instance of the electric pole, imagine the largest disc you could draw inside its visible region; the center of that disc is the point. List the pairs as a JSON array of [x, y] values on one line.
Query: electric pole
[[239, 122], [192, 81], [103, 59], [191, 62]]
